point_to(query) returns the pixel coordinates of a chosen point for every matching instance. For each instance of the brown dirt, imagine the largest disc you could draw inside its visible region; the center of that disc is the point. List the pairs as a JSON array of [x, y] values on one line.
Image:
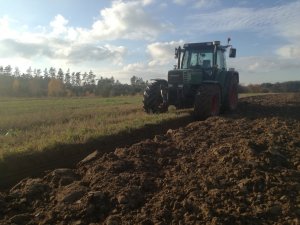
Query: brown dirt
[[241, 168]]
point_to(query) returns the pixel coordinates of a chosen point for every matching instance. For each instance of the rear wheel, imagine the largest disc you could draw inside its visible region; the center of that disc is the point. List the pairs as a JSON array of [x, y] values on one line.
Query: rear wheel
[[155, 97], [207, 101], [231, 101]]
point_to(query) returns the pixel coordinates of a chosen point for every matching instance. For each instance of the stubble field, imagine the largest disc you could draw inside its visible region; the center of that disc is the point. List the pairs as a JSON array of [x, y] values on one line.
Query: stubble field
[[29, 125]]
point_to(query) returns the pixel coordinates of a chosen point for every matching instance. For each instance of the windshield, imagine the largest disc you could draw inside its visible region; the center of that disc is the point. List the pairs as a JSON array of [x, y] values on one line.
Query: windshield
[[200, 58]]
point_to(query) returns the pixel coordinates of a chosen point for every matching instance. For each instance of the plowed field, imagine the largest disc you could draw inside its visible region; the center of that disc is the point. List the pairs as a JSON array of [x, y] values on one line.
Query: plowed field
[[240, 168]]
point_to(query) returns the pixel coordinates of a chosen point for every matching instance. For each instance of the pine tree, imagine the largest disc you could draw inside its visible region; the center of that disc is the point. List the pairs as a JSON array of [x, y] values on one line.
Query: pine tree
[[17, 72], [91, 78], [60, 74], [52, 72], [37, 72], [73, 79], [46, 74], [78, 79], [85, 79], [68, 78], [34, 73], [29, 72], [7, 70]]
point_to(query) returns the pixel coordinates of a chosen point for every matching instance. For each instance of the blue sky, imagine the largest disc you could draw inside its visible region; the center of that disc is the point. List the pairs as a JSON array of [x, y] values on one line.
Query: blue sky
[[137, 37]]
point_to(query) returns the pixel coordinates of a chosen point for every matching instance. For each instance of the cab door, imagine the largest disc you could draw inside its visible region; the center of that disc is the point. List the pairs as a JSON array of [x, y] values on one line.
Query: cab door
[[220, 68]]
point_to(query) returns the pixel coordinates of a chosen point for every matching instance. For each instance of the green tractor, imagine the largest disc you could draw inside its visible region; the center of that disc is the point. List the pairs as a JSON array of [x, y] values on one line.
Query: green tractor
[[200, 80]]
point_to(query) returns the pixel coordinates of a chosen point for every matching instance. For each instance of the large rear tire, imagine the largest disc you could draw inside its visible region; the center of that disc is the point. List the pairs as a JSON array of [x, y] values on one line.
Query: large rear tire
[[207, 101], [231, 100], [153, 99]]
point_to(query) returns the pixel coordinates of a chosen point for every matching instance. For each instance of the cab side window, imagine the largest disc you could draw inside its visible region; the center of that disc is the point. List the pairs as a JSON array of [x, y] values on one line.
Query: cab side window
[[221, 60], [194, 59]]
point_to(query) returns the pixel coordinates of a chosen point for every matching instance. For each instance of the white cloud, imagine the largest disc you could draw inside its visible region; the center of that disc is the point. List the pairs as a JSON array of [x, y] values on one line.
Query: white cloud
[[62, 44], [161, 59], [5, 29], [123, 20], [289, 51], [263, 65], [4, 23], [60, 49], [134, 67], [20, 62], [126, 21], [162, 53], [90, 52], [59, 25], [15, 48], [259, 69]]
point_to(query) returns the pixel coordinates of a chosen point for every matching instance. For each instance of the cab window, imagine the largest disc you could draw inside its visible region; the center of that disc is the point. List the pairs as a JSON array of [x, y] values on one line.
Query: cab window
[[221, 63], [185, 60], [197, 59]]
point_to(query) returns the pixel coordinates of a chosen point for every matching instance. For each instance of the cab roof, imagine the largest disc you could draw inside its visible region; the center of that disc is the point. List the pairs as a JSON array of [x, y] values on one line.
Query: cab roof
[[203, 45], [197, 45]]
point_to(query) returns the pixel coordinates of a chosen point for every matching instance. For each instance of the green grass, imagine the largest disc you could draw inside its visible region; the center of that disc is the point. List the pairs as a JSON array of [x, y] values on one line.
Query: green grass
[[33, 124], [28, 124]]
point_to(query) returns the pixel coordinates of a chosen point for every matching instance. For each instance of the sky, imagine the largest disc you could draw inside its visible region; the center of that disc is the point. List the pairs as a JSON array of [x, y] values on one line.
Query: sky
[[123, 38]]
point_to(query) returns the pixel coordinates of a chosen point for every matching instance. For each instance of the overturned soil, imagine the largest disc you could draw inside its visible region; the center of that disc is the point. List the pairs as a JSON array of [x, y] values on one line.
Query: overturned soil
[[241, 168]]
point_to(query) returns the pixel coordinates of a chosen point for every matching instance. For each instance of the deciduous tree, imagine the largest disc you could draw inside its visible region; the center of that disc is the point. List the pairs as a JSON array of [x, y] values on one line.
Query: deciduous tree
[[55, 88]]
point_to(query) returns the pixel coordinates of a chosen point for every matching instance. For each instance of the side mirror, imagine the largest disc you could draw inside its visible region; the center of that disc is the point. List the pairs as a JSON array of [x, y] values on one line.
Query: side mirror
[[176, 53], [232, 52]]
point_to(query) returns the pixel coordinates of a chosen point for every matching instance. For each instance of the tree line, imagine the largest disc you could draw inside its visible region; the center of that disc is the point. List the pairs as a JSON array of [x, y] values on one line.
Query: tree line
[[57, 83]]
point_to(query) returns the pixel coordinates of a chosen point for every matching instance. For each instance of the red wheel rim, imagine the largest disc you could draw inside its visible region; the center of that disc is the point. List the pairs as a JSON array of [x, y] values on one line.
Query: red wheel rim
[[214, 106]]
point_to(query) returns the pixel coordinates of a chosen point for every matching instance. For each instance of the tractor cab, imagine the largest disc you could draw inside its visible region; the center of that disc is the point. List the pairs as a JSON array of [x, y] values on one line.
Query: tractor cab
[[204, 55]]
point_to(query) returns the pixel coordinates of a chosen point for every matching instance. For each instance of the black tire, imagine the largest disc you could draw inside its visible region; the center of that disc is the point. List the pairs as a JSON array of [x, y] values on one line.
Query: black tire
[[231, 99], [207, 101], [153, 100]]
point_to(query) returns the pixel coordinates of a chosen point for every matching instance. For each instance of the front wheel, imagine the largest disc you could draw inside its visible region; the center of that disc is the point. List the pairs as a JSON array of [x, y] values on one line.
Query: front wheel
[[207, 101], [155, 97]]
